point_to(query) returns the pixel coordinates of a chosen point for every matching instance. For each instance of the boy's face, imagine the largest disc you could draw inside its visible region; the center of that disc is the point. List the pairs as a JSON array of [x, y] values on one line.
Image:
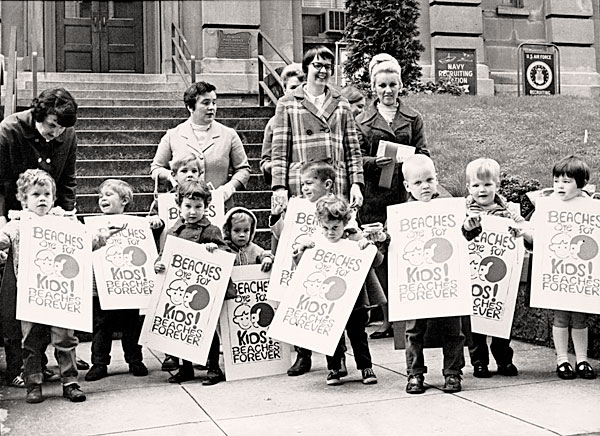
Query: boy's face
[[240, 232], [333, 230], [565, 187], [187, 173], [39, 199], [421, 183], [314, 188], [192, 210], [483, 190], [110, 201]]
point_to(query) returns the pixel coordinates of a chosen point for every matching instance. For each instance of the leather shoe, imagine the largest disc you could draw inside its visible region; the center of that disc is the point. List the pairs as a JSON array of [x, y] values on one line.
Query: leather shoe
[[300, 366], [343, 372], [73, 393], [34, 394], [509, 370], [82, 365], [170, 363], [96, 373], [584, 370], [181, 376], [565, 371], [138, 369], [213, 376], [481, 371], [387, 333]]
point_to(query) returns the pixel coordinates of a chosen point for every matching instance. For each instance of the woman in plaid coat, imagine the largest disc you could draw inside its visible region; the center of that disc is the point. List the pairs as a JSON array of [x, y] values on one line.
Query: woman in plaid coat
[[315, 123]]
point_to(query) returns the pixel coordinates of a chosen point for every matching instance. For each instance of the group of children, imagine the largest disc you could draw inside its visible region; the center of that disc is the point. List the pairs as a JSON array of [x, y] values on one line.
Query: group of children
[[37, 191]]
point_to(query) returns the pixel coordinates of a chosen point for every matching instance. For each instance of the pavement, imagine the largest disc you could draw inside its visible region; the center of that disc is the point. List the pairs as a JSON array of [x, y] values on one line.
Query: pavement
[[535, 403]]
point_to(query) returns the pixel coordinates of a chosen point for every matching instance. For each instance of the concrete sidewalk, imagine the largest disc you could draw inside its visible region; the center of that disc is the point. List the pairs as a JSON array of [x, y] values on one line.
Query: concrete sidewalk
[[536, 403]]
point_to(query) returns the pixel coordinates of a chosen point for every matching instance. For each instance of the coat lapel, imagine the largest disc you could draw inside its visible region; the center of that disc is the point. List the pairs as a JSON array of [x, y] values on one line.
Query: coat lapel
[[214, 132], [187, 136], [375, 121]]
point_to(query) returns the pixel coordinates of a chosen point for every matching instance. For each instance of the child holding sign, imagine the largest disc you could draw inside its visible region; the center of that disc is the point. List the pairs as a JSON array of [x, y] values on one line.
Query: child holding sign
[[570, 175], [333, 214], [114, 197], [420, 181], [483, 179], [36, 190], [238, 231], [193, 198]]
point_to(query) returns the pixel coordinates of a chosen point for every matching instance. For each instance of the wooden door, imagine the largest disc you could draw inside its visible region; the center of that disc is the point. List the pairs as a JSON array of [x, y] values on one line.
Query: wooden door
[[99, 36]]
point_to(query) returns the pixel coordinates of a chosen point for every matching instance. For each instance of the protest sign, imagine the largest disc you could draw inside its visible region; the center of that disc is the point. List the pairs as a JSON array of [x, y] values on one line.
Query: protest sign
[[184, 308], [300, 222], [55, 272], [247, 350], [124, 268], [315, 309], [168, 211], [496, 260], [566, 265], [428, 260]]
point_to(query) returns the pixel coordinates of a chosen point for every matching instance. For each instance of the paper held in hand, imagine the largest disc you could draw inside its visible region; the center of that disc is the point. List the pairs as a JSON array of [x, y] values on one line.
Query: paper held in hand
[[398, 152]]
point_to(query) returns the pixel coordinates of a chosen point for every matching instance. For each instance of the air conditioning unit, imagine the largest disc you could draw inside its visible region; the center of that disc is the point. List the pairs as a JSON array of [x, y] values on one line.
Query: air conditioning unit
[[335, 21]]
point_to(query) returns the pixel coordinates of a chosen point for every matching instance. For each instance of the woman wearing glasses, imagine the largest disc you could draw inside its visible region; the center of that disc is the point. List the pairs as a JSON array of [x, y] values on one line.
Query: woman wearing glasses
[[315, 123]]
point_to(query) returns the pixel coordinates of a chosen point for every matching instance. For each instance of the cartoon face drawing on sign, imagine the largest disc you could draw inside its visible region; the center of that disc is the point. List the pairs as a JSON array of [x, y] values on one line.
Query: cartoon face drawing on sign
[[134, 256], [587, 248], [313, 284], [560, 245], [333, 288], [114, 254], [437, 250], [241, 316], [475, 260], [261, 315], [196, 297], [66, 266], [176, 291], [44, 260], [413, 252], [492, 269]]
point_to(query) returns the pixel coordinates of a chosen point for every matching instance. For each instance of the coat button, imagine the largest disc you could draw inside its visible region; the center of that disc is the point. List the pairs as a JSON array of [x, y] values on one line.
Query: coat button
[[326, 130], [309, 132]]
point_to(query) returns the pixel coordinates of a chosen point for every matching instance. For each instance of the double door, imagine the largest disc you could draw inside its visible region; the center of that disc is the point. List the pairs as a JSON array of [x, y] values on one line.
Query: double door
[[99, 36]]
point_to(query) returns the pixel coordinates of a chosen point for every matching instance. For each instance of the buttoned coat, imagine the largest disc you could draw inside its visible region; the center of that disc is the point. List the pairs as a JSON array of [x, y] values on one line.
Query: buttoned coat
[[406, 128], [302, 133], [222, 154]]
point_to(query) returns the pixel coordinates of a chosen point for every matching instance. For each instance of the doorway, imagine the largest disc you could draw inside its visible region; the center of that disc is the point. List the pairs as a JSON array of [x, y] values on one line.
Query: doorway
[[99, 36]]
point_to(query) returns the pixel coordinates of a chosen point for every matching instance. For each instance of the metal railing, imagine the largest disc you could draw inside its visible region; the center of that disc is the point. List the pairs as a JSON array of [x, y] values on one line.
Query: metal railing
[[180, 51], [263, 63], [10, 100]]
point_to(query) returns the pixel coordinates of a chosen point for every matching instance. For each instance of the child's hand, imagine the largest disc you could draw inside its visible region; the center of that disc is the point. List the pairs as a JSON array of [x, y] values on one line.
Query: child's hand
[[266, 264], [159, 267], [155, 222], [364, 243], [278, 203], [303, 246], [210, 247], [472, 222], [383, 161]]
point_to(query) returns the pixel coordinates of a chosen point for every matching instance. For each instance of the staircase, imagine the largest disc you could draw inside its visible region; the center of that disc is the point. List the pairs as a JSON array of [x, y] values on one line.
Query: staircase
[[121, 119]]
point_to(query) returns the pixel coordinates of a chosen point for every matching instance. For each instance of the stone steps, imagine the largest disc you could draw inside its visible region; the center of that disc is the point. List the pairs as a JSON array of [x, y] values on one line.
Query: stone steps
[[147, 136], [137, 151], [176, 111], [102, 123]]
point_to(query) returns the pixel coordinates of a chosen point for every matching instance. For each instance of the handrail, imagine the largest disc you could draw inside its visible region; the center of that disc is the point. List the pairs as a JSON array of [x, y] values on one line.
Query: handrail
[[10, 101], [179, 48], [264, 63], [34, 73]]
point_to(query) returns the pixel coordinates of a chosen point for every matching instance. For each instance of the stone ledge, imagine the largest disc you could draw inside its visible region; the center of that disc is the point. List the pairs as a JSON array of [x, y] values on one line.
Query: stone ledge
[[455, 19], [512, 11], [570, 31], [569, 8]]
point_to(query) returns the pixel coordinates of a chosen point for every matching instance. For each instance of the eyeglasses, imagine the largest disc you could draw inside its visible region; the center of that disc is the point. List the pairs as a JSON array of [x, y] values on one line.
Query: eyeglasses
[[319, 66]]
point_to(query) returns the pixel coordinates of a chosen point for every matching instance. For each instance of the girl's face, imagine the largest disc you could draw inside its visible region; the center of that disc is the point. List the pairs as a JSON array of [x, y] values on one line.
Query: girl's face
[[357, 107], [565, 187], [206, 109], [39, 199], [333, 230], [387, 86], [483, 191], [110, 202], [187, 173], [319, 71], [240, 231], [192, 210]]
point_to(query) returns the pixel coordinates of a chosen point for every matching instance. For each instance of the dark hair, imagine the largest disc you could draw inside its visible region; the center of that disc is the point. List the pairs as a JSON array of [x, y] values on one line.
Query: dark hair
[[196, 89], [321, 52], [574, 167], [56, 101], [194, 190], [322, 170], [352, 94], [333, 208]]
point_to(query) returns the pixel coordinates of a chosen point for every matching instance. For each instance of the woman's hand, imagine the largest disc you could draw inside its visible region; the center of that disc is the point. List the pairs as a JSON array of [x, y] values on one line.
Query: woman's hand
[[356, 197], [227, 189], [383, 161], [210, 247], [364, 243]]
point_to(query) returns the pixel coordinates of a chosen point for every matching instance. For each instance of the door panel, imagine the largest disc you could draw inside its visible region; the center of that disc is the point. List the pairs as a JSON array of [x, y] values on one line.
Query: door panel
[[122, 36], [77, 41]]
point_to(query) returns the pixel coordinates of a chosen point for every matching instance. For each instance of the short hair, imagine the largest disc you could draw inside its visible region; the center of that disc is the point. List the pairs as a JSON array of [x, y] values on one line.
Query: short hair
[[239, 214], [391, 67], [55, 101], [352, 94], [379, 58], [321, 170], [194, 190], [574, 167], [292, 70], [416, 161], [194, 91], [121, 187], [31, 178], [181, 161], [333, 208], [321, 52], [483, 168]]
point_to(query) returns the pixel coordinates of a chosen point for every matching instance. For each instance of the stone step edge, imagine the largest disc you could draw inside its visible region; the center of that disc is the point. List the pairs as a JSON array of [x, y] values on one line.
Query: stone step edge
[[163, 118], [150, 130]]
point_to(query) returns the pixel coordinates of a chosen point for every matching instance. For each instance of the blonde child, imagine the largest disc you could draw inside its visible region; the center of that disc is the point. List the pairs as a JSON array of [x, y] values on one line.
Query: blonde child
[[334, 214], [483, 180], [570, 175], [420, 181], [238, 231], [36, 190], [193, 197], [114, 198]]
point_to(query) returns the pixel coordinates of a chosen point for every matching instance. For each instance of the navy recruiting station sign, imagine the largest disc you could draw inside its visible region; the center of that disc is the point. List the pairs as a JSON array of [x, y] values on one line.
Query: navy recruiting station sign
[[539, 73], [458, 64]]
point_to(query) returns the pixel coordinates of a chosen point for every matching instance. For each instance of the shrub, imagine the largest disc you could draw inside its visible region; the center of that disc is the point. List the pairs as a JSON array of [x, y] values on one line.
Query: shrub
[[514, 188], [446, 85]]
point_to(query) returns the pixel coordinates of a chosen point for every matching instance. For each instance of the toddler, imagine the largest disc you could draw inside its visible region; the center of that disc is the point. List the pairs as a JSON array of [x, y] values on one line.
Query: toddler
[[238, 231]]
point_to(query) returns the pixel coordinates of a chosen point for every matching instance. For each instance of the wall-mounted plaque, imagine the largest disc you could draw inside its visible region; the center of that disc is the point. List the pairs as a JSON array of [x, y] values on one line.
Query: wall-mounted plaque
[[234, 45]]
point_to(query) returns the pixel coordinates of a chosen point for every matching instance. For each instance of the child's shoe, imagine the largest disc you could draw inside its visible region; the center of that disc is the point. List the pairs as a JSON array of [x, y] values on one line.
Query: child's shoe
[[452, 383], [343, 368], [97, 372], [18, 381], [565, 371], [73, 393], [333, 378], [81, 364], [482, 371], [300, 366], [213, 376], [50, 375], [509, 370], [368, 376], [584, 370], [415, 384], [34, 394], [181, 376], [171, 363], [138, 369]]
